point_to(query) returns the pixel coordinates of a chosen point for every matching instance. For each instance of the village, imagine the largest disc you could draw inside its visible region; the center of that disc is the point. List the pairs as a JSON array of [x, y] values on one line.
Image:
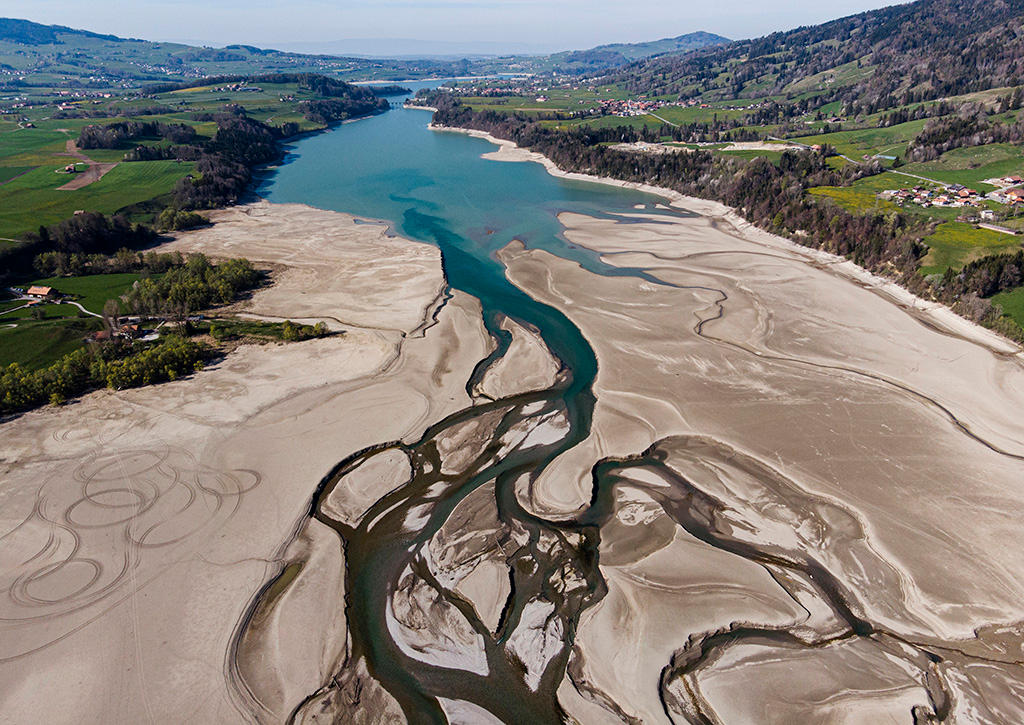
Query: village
[[1009, 192]]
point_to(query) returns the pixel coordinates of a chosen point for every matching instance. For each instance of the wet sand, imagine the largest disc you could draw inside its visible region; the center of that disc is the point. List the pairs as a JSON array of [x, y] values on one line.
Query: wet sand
[[858, 461], [137, 526], [799, 499]]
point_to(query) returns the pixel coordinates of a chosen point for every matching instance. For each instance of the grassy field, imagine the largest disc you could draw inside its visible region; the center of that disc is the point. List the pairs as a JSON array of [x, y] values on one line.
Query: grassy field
[[34, 198], [92, 291], [36, 344], [954, 244], [772, 156], [45, 312], [862, 196], [890, 141], [10, 172], [969, 166], [1012, 303]]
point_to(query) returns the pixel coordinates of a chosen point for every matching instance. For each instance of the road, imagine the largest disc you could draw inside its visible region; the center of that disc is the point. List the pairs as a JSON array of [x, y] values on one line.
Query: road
[[943, 184], [61, 302], [663, 120]]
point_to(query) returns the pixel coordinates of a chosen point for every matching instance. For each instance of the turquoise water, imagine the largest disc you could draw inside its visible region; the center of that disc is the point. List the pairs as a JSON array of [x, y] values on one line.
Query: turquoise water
[[435, 188]]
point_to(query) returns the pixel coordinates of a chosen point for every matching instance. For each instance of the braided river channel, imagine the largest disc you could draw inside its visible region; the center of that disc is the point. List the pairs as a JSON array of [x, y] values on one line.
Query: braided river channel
[[434, 187], [750, 511]]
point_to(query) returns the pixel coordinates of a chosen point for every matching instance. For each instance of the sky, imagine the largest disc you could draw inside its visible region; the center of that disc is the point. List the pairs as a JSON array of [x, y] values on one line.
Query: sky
[[445, 25]]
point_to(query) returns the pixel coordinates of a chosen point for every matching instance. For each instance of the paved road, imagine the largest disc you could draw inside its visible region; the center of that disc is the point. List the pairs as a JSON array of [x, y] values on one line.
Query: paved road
[[943, 184], [663, 120], [92, 314], [62, 302]]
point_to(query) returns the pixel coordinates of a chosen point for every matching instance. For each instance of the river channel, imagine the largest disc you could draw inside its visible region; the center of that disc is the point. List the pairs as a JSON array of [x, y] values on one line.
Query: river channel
[[434, 187]]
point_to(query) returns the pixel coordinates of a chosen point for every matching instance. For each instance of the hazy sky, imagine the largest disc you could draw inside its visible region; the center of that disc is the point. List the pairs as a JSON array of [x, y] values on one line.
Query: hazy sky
[[539, 24]]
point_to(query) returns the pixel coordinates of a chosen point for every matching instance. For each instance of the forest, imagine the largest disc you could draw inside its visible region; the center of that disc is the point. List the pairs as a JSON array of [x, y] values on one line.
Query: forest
[[895, 56]]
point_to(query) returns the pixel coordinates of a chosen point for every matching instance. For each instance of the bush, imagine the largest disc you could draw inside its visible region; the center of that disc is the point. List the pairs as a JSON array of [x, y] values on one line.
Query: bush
[[294, 332], [116, 365], [174, 220]]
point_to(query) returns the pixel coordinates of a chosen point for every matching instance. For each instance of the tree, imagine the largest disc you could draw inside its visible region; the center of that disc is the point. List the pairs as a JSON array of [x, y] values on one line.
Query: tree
[[111, 312]]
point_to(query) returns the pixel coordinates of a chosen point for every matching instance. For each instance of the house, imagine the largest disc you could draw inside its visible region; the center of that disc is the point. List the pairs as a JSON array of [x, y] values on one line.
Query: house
[[41, 292], [101, 336], [1011, 179], [987, 215]]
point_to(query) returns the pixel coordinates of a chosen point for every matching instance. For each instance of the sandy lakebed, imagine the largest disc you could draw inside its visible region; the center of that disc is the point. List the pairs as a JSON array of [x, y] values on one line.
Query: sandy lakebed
[[137, 525], [797, 498]]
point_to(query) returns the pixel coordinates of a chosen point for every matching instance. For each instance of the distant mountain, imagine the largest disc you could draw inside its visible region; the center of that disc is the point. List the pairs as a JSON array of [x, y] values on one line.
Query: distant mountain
[[679, 44], [604, 57], [53, 55], [25, 32], [407, 48], [870, 61]]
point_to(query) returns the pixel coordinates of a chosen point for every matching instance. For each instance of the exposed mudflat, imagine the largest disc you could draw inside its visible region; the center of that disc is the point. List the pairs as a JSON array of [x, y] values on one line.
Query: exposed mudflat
[[137, 526], [832, 478], [758, 486]]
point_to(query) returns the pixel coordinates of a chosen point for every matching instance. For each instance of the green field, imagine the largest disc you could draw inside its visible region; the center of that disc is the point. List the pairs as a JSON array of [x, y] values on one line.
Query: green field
[[862, 196], [969, 166], [9, 172], [28, 141], [749, 155], [34, 199], [1012, 303], [47, 312], [891, 141], [36, 344], [92, 291], [954, 244]]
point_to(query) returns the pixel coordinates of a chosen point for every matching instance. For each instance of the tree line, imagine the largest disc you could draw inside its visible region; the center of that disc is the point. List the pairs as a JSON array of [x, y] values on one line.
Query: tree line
[[195, 285], [771, 195], [115, 135], [116, 364]]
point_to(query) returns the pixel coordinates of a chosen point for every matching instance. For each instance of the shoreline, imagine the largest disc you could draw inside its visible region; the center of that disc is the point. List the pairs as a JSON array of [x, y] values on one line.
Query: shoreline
[[215, 459], [935, 313]]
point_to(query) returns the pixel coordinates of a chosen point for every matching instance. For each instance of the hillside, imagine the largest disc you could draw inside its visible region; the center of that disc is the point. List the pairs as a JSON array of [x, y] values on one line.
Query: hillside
[[679, 44], [32, 54], [878, 59], [604, 57]]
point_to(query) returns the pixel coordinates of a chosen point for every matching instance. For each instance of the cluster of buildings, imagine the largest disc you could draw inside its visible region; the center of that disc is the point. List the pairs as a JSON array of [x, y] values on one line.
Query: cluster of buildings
[[954, 196], [242, 87], [127, 331], [1010, 191], [639, 107]]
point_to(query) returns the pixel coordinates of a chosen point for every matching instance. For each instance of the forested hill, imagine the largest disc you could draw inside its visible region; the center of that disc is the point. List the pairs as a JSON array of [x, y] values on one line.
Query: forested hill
[[604, 57], [24, 32], [679, 44], [35, 55], [878, 59]]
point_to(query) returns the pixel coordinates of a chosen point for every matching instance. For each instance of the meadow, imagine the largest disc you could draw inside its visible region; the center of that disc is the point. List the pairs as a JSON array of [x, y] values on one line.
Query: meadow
[[953, 244], [1012, 303]]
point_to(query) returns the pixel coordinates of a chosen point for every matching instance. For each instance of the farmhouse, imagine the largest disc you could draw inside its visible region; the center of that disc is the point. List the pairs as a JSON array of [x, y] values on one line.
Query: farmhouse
[[41, 293]]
